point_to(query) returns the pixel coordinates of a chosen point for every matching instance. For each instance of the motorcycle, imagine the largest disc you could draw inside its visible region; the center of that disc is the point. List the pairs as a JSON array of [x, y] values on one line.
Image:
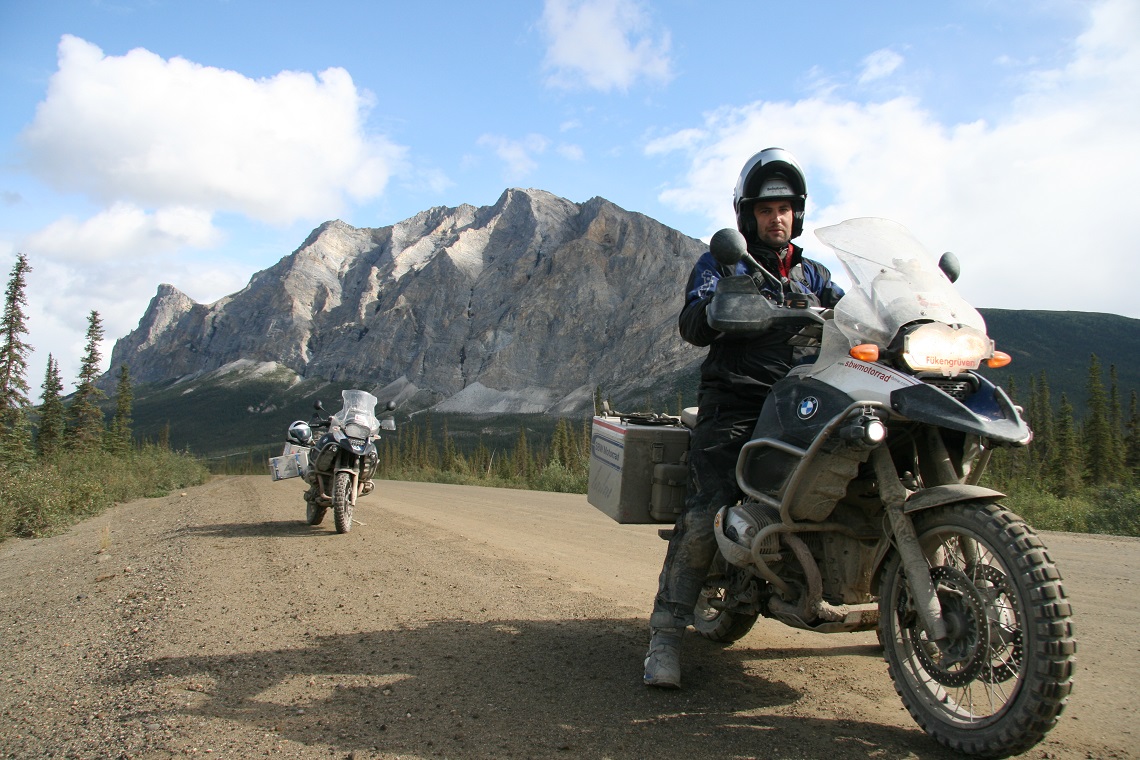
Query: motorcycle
[[863, 509], [344, 457]]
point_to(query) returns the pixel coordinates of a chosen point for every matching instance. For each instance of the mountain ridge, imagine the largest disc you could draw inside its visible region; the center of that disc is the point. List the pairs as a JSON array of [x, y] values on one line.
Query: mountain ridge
[[534, 295], [526, 306]]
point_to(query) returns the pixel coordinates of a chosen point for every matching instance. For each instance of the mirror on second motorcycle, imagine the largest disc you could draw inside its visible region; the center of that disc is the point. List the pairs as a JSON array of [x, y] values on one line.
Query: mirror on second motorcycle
[[950, 266]]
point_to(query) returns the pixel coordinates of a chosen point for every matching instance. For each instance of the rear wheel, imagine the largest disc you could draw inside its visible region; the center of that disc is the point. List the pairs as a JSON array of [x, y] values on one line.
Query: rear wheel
[[1004, 675], [718, 615], [314, 513], [342, 502]]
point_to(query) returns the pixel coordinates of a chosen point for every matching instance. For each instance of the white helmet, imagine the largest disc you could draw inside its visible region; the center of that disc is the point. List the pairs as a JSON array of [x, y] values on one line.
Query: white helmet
[[300, 433], [771, 174]]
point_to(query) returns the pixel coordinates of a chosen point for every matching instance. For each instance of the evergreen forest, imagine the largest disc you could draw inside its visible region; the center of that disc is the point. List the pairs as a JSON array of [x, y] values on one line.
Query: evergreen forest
[[61, 462]]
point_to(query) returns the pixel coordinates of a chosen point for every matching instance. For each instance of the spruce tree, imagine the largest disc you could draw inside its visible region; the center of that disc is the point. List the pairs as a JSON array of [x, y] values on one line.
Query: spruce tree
[[560, 446], [86, 416], [50, 439], [15, 428], [1116, 426], [481, 460], [13, 350], [1041, 421], [1132, 439], [522, 461], [450, 454], [1066, 466], [119, 434], [1099, 455]]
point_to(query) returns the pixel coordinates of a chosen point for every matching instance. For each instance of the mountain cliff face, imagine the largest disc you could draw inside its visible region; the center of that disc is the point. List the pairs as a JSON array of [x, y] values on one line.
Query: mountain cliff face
[[523, 306]]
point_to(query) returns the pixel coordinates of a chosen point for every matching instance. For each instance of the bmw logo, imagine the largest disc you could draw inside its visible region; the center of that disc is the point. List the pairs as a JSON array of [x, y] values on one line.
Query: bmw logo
[[808, 407]]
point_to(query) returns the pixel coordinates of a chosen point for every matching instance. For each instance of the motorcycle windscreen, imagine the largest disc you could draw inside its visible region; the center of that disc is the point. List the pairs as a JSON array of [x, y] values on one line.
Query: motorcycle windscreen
[[895, 281]]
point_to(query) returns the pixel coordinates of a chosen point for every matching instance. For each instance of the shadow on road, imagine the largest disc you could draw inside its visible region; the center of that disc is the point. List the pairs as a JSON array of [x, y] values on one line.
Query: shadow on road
[[270, 529], [511, 688]]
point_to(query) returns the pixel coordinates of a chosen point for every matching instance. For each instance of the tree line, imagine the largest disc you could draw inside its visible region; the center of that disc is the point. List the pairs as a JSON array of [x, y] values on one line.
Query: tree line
[[64, 460], [1067, 457], [1077, 475], [559, 462]]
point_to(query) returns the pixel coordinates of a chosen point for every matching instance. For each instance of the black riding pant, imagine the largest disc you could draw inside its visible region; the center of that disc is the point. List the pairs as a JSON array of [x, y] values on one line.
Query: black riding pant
[[720, 432]]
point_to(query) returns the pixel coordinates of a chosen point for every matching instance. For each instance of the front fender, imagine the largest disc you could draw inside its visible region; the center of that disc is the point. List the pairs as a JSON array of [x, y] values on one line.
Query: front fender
[[926, 498], [936, 496]]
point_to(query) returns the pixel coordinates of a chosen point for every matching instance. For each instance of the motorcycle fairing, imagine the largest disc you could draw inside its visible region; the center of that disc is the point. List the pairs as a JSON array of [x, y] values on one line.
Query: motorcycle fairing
[[987, 413], [786, 414], [796, 411]]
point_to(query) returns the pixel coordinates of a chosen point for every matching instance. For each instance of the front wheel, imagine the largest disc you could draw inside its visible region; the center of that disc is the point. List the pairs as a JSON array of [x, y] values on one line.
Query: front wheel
[[997, 685], [342, 502], [719, 615]]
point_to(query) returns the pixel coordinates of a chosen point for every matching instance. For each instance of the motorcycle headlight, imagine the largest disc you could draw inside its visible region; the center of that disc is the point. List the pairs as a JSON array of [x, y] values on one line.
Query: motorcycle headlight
[[936, 347], [356, 430]]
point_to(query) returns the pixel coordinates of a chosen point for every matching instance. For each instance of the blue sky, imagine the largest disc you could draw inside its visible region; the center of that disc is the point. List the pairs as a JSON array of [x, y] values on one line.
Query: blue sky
[[196, 143]]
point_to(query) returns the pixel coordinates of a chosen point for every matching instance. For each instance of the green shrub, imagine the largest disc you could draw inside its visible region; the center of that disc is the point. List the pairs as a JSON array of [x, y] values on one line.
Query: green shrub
[[1116, 511], [50, 495], [1044, 511], [560, 478]]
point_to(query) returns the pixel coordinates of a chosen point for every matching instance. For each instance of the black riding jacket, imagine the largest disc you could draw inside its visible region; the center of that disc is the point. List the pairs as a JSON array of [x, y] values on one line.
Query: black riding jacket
[[742, 369]]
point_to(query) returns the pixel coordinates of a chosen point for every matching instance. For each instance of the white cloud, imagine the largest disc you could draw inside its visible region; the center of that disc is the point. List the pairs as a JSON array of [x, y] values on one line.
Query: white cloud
[[1037, 204], [163, 148], [603, 45], [61, 295], [880, 64], [683, 139], [125, 231], [571, 152], [159, 133], [518, 155]]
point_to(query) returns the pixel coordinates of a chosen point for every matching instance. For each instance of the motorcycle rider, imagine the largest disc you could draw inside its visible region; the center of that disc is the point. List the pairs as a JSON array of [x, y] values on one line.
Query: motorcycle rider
[[736, 376]]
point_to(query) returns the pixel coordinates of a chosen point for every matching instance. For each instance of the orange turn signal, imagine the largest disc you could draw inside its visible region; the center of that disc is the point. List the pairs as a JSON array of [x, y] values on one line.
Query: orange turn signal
[[865, 352], [999, 359]]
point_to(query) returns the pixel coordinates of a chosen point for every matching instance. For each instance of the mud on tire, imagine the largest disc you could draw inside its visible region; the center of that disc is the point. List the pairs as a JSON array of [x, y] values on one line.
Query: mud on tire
[[1000, 683], [713, 616], [342, 502]]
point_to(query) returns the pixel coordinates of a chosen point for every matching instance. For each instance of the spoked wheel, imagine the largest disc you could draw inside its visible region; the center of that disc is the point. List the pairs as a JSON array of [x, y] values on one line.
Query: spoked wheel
[[1004, 675], [342, 502], [713, 616], [314, 513]]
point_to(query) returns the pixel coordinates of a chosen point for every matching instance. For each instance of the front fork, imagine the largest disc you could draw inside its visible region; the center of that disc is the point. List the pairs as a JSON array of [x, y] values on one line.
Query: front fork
[[324, 483], [922, 590]]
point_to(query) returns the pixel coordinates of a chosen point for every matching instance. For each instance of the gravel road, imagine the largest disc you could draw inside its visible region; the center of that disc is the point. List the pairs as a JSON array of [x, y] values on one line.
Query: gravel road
[[452, 622]]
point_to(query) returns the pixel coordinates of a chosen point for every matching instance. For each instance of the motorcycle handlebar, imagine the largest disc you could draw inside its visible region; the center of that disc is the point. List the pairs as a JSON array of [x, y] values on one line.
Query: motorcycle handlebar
[[739, 308]]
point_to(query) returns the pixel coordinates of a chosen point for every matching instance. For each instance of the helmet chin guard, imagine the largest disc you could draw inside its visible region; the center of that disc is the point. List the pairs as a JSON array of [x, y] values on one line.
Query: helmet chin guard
[[771, 174]]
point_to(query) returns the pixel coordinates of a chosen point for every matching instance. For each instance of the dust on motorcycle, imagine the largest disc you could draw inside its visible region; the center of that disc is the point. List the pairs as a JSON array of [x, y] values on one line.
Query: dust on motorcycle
[[336, 455], [863, 507]]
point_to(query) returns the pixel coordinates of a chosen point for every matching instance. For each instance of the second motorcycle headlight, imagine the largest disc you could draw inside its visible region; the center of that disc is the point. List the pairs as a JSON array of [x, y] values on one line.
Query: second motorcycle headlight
[[937, 347], [356, 430]]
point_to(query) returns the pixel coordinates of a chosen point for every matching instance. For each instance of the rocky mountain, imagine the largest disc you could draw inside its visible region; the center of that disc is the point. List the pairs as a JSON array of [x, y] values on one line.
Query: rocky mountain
[[524, 306]]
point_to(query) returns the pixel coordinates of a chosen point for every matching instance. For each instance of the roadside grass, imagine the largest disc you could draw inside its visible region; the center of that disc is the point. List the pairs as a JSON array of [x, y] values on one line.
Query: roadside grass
[[552, 477], [1112, 510], [49, 496]]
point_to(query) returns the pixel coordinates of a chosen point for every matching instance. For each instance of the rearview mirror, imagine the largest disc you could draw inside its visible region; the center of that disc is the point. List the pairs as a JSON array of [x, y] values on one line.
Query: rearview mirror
[[728, 247], [950, 266]]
